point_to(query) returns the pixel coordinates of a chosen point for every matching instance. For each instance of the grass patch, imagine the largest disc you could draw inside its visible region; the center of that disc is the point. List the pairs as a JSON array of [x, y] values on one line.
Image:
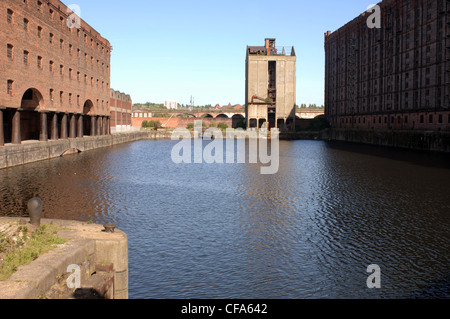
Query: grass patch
[[26, 247]]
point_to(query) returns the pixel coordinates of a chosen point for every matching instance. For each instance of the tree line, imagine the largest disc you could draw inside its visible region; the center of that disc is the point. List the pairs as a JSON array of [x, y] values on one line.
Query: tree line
[[310, 106]]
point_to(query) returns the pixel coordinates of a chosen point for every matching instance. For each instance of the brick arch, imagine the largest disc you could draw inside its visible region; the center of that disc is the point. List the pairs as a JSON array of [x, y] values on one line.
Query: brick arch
[[88, 107], [32, 100], [238, 120], [30, 119], [222, 116]]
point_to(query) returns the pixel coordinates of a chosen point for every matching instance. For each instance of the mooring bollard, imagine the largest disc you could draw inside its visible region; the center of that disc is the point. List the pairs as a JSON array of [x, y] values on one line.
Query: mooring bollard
[[35, 211], [109, 228]]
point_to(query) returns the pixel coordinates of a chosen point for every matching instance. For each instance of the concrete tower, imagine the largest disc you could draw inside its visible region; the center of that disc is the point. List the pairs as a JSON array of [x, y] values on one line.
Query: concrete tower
[[270, 86]]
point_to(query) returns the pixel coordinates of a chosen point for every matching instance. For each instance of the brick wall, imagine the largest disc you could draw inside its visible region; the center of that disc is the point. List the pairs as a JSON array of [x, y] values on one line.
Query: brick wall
[[176, 122], [395, 77], [121, 108], [80, 58]]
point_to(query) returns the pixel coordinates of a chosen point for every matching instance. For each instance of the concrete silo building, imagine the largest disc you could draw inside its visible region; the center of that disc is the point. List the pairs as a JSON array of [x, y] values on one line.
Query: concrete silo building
[[270, 86]]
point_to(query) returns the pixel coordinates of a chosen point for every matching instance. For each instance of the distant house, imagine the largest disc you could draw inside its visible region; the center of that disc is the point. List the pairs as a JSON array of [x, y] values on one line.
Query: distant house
[[218, 107], [171, 105], [238, 107]]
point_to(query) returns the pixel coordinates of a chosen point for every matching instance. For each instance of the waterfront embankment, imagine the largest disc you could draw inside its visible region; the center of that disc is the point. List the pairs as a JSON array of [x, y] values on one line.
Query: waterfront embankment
[[415, 140], [33, 151], [90, 264]]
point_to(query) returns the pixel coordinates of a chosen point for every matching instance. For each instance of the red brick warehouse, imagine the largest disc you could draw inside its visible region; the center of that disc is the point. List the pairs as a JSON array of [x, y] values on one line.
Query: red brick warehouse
[[395, 77], [54, 79], [121, 110]]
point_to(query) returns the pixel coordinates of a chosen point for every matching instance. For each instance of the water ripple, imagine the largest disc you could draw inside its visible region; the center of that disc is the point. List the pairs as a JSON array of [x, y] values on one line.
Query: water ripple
[[226, 231]]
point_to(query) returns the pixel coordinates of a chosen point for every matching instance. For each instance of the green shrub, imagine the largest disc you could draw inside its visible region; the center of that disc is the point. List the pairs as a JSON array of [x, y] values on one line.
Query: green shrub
[[28, 248], [151, 124], [222, 126]]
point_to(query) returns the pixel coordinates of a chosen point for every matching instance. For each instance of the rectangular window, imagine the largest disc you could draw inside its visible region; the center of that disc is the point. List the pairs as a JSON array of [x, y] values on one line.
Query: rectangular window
[[61, 44], [70, 74], [39, 4], [9, 15], [9, 51], [430, 119], [10, 87], [70, 98], [441, 120], [52, 94], [50, 64], [51, 36], [25, 57], [61, 96], [39, 33], [25, 24], [78, 76], [78, 100], [61, 69], [70, 49], [39, 62]]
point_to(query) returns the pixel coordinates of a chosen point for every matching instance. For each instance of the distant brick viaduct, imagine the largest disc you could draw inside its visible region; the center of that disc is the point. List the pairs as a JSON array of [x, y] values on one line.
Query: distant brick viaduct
[[180, 119]]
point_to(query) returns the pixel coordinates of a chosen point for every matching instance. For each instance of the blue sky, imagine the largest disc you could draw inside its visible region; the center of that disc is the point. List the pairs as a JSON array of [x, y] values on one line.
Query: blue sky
[[172, 50]]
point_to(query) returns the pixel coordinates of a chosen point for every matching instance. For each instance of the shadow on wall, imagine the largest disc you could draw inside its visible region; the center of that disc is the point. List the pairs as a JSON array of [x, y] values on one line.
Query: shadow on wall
[[317, 124]]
